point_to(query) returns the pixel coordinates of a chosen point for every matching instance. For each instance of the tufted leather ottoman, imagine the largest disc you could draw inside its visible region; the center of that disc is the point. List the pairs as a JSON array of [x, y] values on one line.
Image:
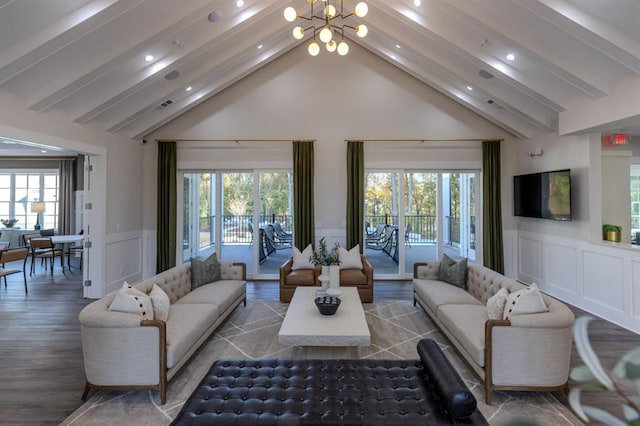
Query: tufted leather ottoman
[[333, 392]]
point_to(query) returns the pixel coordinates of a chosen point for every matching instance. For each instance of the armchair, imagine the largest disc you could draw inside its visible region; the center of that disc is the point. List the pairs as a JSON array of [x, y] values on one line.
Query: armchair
[[291, 278], [362, 279]]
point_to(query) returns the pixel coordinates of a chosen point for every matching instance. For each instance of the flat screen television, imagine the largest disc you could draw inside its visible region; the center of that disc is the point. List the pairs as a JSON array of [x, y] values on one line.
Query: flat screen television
[[545, 195]]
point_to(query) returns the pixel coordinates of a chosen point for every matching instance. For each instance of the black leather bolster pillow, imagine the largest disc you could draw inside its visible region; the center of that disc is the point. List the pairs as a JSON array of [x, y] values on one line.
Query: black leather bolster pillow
[[447, 385]]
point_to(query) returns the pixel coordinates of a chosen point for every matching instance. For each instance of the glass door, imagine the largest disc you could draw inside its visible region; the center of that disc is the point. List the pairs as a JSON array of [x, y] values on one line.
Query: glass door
[[198, 215], [459, 213], [383, 222], [275, 198], [421, 218], [238, 234]]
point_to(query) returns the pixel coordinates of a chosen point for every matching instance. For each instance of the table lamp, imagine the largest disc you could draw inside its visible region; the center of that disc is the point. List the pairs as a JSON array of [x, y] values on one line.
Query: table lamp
[[37, 207]]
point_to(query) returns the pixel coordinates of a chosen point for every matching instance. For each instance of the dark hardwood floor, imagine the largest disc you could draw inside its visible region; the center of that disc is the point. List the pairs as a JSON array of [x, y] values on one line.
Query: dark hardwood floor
[[41, 375]]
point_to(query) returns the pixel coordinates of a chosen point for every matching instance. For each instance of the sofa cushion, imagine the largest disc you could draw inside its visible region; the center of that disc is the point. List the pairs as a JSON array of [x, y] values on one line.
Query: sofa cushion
[[186, 324], [466, 323], [352, 277], [204, 271], [160, 302], [436, 293], [453, 272], [221, 293], [133, 301], [350, 259], [300, 277], [496, 304], [301, 259], [526, 301]]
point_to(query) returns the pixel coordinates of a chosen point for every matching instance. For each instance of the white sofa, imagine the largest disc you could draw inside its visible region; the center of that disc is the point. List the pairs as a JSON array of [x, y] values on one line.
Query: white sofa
[[525, 352], [123, 351]]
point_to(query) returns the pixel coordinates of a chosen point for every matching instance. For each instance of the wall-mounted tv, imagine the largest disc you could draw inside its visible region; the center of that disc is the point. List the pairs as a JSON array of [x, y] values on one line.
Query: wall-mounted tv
[[545, 195]]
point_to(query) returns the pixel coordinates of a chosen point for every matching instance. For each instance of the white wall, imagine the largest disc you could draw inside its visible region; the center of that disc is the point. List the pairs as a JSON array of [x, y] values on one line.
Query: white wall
[[569, 260], [328, 99], [117, 180]]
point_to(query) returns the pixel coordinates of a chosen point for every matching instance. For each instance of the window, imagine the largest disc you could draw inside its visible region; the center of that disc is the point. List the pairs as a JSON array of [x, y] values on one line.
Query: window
[[19, 189]]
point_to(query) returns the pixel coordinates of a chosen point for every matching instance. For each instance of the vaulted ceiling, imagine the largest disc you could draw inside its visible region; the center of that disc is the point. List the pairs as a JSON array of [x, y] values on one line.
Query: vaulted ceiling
[[87, 57]]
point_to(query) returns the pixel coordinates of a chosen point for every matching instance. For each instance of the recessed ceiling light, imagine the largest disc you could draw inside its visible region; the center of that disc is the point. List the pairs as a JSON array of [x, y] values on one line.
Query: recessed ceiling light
[[417, 2], [469, 88], [148, 58], [239, 3], [44, 151], [511, 57], [188, 89], [398, 46], [260, 46]]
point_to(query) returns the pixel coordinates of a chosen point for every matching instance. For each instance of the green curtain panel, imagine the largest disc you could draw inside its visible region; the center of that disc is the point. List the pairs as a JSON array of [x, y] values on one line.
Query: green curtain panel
[[492, 246], [66, 196], [304, 232], [355, 194], [167, 206]]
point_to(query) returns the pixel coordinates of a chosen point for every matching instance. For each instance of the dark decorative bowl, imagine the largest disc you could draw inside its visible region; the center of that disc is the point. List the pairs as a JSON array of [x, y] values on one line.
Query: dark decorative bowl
[[327, 305]]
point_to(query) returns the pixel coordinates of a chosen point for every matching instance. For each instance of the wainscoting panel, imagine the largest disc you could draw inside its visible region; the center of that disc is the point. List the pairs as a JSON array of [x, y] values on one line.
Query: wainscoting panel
[[530, 264], [635, 286], [123, 257], [561, 267], [603, 279], [597, 277]]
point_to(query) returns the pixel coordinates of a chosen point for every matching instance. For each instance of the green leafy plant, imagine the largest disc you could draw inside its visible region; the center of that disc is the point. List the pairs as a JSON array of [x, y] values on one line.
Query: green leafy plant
[[592, 375], [607, 227], [323, 256]]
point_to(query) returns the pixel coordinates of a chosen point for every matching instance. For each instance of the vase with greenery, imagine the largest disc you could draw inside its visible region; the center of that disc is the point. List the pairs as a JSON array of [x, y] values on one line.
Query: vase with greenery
[[623, 381], [324, 256], [611, 232]]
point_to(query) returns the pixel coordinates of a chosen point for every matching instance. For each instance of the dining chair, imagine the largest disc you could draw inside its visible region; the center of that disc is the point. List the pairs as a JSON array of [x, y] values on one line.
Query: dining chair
[[44, 249], [14, 255], [73, 249]]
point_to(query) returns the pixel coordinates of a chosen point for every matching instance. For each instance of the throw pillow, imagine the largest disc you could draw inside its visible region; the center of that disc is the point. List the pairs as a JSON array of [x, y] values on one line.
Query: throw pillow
[[350, 259], [496, 304], [301, 259], [133, 301], [160, 302], [204, 271], [453, 272], [525, 301]]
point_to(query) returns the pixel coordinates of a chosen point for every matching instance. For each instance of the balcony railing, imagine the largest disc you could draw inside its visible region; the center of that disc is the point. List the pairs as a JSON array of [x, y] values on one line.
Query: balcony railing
[[236, 229]]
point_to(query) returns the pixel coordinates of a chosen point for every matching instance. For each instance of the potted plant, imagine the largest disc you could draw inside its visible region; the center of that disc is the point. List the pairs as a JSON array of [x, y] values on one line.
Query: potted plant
[[323, 256], [330, 275], [611, 232]]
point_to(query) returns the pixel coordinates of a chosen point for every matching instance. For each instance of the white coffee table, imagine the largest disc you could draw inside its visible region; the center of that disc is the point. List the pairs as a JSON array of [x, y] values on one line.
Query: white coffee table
[[304, 325]]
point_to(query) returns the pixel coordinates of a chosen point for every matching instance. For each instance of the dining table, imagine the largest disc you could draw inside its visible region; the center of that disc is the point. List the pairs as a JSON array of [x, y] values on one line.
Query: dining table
[[62, 241]]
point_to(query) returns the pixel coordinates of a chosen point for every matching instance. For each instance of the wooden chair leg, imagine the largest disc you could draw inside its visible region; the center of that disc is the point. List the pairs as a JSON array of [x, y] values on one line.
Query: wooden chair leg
[[87, 388]]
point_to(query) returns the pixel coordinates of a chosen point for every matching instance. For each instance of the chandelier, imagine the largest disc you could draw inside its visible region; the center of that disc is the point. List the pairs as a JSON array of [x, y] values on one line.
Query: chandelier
[[328, 25]]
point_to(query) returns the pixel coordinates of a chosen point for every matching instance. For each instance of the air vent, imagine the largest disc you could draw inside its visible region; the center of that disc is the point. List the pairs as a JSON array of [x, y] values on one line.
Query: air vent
[[485, 74], [172, 75], [165, 104]]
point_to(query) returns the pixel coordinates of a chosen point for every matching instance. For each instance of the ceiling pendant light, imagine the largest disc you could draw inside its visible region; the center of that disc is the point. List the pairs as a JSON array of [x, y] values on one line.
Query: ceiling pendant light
[[313, 49], [332, 19]]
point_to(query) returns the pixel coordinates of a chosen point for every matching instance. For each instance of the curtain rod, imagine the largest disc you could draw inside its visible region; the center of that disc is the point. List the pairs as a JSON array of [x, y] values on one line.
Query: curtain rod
[[234, 140], [425, 140]]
